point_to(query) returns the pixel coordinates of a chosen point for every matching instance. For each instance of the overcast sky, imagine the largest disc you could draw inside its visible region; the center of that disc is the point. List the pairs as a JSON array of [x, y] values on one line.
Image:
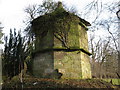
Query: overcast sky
[[12, 11]]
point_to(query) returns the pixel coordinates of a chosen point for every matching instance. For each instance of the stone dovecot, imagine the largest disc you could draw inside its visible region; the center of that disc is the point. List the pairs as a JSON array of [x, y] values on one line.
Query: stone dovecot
[[61, 46]]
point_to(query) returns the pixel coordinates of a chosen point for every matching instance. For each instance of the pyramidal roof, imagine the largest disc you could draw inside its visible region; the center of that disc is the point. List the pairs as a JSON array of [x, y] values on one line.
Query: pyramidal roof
[[60, 10]]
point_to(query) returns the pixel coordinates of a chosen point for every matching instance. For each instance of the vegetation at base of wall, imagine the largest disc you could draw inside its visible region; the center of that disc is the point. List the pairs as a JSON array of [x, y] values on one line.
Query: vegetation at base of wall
[[113, 81], [30, 82]]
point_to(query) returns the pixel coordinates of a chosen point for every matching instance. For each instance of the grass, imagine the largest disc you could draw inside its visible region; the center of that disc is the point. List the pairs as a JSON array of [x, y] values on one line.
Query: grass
[[31, 82], [114, 81]]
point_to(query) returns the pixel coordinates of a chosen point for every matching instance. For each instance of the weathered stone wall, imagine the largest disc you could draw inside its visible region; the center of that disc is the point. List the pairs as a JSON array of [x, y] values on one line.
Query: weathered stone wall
[[51, 53], [72, 65], [72, 37], [85, 59], [83, 39], [69, 64], [45, 42], [85, 65], [75, 64], [43, 64]]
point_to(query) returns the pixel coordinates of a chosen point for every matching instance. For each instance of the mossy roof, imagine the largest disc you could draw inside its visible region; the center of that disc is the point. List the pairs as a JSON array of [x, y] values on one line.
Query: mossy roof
[[59, 12]]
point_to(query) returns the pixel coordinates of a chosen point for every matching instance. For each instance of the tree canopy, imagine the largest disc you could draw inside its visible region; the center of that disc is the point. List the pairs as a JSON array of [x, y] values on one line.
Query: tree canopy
[[14, 54]]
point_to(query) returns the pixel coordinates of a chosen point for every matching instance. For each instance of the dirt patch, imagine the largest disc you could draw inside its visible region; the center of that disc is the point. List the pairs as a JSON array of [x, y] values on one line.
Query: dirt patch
[[51, 83]]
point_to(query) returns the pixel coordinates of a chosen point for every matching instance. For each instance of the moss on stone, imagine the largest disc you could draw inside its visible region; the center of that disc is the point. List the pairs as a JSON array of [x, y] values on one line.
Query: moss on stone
[[61, 43]]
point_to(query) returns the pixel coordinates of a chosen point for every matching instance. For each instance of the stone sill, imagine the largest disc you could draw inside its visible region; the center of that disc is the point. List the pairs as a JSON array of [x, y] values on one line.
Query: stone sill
[[62, 49]]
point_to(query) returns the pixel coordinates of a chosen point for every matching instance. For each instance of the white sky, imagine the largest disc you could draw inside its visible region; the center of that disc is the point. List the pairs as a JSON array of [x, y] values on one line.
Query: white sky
[[12, 11]]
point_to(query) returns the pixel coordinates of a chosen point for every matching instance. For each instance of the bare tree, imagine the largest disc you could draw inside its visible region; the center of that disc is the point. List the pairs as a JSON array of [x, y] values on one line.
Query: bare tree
[[103, 60], [104, 19]]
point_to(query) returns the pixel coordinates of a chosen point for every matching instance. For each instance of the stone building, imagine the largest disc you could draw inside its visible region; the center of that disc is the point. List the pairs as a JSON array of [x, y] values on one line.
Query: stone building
[[61, 46]]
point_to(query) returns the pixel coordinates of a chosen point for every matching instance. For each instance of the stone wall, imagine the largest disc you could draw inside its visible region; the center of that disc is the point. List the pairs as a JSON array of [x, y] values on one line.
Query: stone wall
[[83, 39], [85, 65], [69, 64], [85, 59], [74, 64], [45, 42], [43, 64], [72, 36], [51, 53]]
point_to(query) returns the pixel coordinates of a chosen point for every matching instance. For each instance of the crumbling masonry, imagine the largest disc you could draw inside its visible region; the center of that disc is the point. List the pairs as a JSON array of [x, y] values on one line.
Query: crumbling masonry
[[61, 46]]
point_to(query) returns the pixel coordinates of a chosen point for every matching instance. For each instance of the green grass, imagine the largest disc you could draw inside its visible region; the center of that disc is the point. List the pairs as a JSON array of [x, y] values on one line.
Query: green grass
[[114, 81]]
